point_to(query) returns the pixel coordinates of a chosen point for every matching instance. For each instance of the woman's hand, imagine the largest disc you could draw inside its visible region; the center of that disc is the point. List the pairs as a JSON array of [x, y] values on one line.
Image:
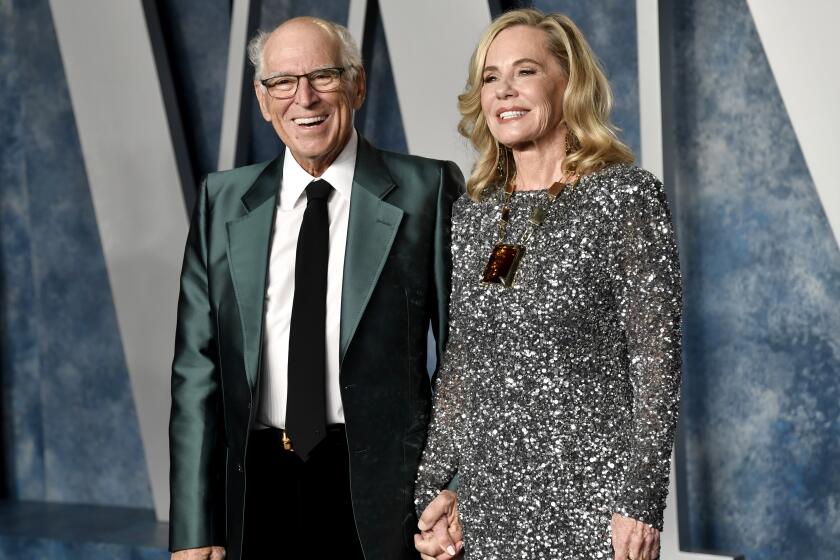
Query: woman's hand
[[440, 526], [634, 540], [205, 553]]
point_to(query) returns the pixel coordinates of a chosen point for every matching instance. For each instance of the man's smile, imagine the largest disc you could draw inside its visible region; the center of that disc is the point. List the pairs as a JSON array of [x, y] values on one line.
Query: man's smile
[[310, 122]]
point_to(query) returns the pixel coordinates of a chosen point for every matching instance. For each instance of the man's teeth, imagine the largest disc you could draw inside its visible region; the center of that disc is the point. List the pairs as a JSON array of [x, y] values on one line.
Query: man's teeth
[[511, 114], [310, 120]]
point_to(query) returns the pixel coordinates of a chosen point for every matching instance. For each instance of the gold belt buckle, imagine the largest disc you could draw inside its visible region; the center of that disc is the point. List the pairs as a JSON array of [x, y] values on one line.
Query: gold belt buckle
[[287, 443]]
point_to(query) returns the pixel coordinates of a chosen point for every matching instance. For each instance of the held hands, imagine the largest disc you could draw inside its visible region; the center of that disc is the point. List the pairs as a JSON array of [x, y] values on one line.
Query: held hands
[[634, 540], [206, 553], [440, 526]]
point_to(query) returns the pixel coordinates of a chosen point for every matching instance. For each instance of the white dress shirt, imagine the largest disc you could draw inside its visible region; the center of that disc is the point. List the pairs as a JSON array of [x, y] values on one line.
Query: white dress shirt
[[281, 282]]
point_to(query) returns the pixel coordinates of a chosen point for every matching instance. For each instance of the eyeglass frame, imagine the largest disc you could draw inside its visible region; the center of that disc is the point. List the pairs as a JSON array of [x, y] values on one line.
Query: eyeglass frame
[[341, 70]]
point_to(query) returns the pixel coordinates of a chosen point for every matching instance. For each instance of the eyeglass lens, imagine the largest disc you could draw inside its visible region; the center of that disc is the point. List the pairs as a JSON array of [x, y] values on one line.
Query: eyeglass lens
[[323, 80]]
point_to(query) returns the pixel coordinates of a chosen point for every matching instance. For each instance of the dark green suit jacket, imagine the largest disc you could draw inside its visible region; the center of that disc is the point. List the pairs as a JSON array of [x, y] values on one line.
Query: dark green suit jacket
[[396, 280]]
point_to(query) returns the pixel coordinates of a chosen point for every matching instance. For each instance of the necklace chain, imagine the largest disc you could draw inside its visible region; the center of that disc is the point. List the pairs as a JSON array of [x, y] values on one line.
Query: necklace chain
[[537, 214], [505, 258]]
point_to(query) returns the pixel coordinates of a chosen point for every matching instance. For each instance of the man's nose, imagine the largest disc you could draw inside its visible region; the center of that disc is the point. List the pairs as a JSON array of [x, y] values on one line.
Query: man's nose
[[305, 94]]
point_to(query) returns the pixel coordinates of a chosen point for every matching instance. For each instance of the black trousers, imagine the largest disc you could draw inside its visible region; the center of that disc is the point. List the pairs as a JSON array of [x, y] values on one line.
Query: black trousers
[[297, 509]]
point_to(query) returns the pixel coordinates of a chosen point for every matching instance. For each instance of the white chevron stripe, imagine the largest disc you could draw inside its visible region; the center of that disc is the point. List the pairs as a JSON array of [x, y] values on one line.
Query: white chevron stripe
[[356, 14], [237, 78], [800, 41], [430, 44], [132, 171], [650, 87]]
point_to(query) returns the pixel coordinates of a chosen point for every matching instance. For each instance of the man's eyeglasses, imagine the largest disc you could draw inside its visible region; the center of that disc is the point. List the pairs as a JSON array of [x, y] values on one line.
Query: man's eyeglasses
[[284, 86]]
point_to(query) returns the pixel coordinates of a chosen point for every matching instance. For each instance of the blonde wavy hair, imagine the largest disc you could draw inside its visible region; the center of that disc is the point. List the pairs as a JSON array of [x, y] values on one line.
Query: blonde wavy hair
[[587, 102]]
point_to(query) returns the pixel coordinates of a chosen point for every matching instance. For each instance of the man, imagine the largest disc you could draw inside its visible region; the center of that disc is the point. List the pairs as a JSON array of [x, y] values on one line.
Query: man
[[300, 396]]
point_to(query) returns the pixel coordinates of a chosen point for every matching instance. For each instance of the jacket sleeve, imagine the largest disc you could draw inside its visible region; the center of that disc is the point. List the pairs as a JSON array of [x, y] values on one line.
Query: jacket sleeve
[[644, 269], [195, 448]]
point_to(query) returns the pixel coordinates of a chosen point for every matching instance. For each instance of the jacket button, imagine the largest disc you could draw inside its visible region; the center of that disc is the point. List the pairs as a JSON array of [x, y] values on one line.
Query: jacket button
[[239, 467]]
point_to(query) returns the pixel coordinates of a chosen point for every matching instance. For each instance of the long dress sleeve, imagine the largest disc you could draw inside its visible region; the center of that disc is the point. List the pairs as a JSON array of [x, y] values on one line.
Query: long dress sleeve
[[440, 460], [645, 278]]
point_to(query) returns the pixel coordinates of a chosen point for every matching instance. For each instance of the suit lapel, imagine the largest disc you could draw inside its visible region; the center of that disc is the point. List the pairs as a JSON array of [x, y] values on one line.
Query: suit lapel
[[249, 243], [371, 230]]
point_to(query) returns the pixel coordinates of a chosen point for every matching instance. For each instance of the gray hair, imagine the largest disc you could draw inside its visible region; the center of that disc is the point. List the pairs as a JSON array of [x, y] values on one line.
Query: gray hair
[[351, 57]]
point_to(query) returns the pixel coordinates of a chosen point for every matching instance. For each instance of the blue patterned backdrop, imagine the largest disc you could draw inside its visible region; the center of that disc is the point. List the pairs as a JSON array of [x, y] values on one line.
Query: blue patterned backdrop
[[761, 269], [68, 415], [196, 37], [610, 28], [761, 397]]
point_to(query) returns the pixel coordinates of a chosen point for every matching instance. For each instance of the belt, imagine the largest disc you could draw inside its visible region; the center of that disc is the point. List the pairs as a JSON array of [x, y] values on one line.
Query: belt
[[280, 434]]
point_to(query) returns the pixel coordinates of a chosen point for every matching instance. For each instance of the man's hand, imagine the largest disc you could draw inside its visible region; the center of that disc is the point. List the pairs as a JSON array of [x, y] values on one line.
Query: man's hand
[[440, 526], [634, 540], [206, 553]]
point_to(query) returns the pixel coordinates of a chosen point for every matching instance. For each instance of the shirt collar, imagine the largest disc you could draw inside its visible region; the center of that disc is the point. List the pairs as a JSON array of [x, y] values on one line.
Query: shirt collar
[[339, 174]]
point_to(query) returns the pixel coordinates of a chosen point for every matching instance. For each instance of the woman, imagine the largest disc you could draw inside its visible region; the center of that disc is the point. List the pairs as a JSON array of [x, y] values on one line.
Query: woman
[[557, 398]]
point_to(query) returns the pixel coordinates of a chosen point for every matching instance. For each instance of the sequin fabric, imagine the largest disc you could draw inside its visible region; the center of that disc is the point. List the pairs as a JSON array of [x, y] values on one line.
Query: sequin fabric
[[557, 398]]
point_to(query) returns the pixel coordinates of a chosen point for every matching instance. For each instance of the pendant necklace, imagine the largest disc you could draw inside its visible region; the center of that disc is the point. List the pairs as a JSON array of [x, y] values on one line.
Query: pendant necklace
[[505, 258]]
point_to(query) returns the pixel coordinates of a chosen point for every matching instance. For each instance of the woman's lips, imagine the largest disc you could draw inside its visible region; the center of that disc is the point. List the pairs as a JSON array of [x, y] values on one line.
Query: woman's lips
[[508, 114]]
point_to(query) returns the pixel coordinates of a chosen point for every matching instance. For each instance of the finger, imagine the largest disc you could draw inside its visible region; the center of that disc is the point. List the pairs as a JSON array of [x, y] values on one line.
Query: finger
[[434, 556], [436, 509], [619, 551], [634, 547], [444, 556], [425, 556], [441, 532], [459, 547], [455, 533], [645, 541], [619, 542], [426, 544], [453, 507], [653, 545]]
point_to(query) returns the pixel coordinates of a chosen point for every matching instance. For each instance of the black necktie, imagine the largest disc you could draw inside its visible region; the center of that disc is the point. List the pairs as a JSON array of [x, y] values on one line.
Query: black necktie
[[306, 400]]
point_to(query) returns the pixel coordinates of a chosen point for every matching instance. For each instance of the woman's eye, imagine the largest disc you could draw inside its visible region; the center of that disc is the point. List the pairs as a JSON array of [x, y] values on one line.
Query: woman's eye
[[527, 71], [488, 79]]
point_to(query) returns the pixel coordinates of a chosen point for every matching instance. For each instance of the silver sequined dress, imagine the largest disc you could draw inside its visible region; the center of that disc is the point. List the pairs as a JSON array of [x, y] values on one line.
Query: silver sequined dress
[[557, 399]]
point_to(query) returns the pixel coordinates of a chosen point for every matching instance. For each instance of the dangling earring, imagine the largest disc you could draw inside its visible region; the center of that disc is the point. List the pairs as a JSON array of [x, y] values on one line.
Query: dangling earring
[[502, 164], [572, 143], [501, 161]]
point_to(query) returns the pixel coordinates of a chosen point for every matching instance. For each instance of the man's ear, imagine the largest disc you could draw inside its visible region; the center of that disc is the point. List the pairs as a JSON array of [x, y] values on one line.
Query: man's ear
[[262, 99], [360, 89]]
